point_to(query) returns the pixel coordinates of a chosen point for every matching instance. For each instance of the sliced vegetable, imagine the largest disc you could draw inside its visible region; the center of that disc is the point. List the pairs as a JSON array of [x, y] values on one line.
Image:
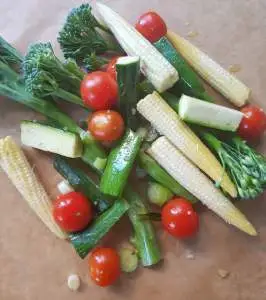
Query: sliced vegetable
[[162, 177], [106, 125], [73, 282], [219, 78], [200, 112], [119, 164], [179, 218], [81, 182], [99, 90], [86, 240], [158, 194], [104, 266], [47, 138], [64, 187], [183, 170], [151, 26], [253, 124], [111, 67], [72, 211], [128, 73], [146, 242], [12, 88], [168, 123], [246, 167], [189, 82], [128, 259], [19, 171], [153, 65]]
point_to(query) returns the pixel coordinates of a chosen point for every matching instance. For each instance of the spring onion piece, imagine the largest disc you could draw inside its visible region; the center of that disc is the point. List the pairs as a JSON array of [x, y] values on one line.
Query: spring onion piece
[[183, 170], [167, 122], [144, 233], [162, 177], [16, 166], [219, 78], [158, 194], [153, 65], [64, 187], [86, 240], [119, 164], [128, 259]]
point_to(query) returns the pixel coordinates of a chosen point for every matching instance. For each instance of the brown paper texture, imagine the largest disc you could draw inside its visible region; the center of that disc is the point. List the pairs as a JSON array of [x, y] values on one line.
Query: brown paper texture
[[34, 265]]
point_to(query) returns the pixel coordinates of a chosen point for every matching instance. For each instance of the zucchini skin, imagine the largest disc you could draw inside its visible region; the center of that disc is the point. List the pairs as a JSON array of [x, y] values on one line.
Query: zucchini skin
[[128, 78], [86, 240], [189, 82], [81, 182], [119, 164]]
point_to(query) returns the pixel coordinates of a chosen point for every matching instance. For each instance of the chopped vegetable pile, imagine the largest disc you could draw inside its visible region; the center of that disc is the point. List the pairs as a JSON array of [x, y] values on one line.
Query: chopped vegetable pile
[[130, 78]]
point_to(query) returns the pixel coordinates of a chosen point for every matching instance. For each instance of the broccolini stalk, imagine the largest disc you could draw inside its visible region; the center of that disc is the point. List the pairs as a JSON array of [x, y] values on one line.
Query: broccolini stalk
[[80, 37], [93, 62], [45, 74], [8, 54], [237, 159], [11, 86]]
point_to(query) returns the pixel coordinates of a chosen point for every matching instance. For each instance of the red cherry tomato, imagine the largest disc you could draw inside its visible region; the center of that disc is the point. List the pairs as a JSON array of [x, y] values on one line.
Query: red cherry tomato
[[111, 68], [253, 124], [179, 219], [106, 125], [99, 90], [104, 266], [72, 211], [151, 26]]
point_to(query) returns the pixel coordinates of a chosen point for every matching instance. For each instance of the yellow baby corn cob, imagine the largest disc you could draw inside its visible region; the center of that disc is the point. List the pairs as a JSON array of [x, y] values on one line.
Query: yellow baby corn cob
[[219, 78], [198, 184], [168, 123], [153, 64], [19, 171]]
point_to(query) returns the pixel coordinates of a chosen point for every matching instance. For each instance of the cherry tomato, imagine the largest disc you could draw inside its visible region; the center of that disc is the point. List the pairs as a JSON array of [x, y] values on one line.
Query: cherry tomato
[[104, 266], [72, 211], [151, 26], [253, 124], [179, 219], [99, 90], [106, 125], [111, 68]]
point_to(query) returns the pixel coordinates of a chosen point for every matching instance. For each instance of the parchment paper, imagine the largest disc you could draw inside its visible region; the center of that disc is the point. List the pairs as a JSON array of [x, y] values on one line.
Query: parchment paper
[[34, 265]]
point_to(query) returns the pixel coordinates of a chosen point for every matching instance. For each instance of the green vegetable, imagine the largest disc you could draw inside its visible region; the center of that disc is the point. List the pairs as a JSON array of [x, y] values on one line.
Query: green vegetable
[[128, 74], [162, 177], [86, 240], [158, 194], [93, 62], [246, 168], [12, 87], [119, 164], [51, 139], [144, 233], [128, 259], [200, 112], [80, 36], [45, 75], [8, 54], [189, 82], [81, 182]]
